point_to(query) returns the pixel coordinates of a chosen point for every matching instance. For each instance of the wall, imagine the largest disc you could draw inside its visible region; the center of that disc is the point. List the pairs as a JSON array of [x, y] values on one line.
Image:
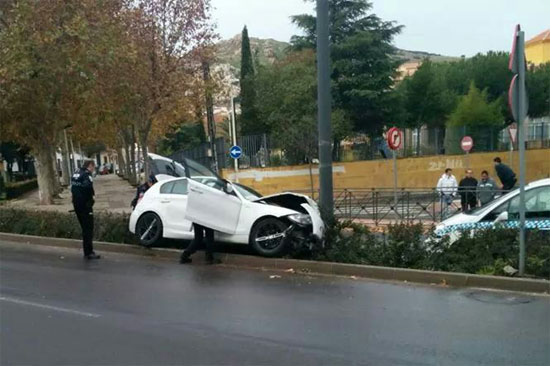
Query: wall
[[412, 172], [538, 52]]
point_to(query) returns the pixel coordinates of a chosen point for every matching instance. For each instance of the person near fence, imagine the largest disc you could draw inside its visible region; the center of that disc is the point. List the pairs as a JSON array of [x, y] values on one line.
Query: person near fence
[[505, 174], [467, 190], [82, 188], [447, 187], [486, 189]]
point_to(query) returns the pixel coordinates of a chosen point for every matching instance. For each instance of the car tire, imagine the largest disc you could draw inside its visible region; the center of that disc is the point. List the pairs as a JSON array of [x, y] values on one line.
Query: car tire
[[149, 229], [264, 228]]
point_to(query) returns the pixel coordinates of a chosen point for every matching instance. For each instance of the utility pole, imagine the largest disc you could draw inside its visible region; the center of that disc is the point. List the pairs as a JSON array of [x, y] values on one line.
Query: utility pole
[[324, 108], [522, 104], [210, 116], [518, 104]]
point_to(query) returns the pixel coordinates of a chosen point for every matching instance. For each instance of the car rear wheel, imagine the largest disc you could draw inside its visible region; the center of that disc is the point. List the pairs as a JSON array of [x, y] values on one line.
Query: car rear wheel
[[149, 229], [267, 237]]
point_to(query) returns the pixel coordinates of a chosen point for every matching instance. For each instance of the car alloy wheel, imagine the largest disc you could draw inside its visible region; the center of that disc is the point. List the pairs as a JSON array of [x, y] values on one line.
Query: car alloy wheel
[[149, 229], [268, 237]]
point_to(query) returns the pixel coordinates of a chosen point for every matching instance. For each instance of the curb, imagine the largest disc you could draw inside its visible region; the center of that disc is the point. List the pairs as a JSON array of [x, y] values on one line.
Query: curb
[[311, 267]]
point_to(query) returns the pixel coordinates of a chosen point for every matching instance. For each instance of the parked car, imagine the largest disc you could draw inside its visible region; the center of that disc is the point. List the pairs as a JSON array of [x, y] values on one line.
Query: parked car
[[503, 211], [189, 192]]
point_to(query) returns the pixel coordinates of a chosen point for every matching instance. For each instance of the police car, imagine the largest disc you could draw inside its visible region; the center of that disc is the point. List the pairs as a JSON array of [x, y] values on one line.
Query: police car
[[503, 211]]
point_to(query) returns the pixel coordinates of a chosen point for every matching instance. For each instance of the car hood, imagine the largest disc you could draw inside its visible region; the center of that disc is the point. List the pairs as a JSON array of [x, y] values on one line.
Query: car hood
[[293, 201], [299, 203]]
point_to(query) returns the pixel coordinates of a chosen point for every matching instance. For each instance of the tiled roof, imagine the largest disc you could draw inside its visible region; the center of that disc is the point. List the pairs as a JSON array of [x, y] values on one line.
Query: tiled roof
[[544, 36]]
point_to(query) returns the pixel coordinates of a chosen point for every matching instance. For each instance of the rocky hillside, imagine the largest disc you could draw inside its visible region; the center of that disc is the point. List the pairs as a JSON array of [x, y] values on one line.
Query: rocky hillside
[[266, 50], [269, 50]]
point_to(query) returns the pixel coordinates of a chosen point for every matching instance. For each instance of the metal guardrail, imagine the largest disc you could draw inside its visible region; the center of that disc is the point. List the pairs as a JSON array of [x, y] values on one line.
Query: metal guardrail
[[383, 206]]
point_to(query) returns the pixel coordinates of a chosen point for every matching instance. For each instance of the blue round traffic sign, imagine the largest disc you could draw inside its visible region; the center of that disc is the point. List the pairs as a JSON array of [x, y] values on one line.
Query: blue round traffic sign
[[235, 152]]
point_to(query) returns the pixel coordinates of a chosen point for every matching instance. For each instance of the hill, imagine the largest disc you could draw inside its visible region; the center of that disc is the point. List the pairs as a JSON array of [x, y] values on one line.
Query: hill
[[269, 50]]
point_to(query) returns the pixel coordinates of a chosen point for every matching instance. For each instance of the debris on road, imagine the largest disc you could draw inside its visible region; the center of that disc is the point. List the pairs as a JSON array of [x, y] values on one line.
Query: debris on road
[[274, 276]]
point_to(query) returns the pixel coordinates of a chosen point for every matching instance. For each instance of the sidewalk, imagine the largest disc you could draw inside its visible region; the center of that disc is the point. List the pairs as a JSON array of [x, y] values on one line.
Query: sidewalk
[[112, 194]]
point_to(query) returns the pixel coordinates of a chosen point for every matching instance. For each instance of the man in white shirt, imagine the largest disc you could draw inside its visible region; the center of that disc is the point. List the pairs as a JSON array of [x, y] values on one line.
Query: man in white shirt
[[447, 187]]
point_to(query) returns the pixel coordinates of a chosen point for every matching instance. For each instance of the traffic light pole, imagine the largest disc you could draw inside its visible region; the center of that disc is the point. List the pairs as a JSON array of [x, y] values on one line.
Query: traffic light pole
[[522, 104], [324, 108]]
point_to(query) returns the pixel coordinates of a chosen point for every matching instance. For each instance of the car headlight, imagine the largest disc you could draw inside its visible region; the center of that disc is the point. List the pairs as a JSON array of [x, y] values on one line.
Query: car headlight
[[300, 219]]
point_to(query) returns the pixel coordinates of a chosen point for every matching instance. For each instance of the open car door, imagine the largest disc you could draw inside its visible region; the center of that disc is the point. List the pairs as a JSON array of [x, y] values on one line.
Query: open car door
[[211, 207]]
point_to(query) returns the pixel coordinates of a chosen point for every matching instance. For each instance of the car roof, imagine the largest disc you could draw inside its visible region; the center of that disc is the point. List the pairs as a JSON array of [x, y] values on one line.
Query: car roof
[[538, 183]]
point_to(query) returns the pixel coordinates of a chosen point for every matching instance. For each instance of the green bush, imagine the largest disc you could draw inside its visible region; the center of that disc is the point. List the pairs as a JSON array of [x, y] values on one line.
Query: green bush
[[405, 246], [14, 190], [107, 227]]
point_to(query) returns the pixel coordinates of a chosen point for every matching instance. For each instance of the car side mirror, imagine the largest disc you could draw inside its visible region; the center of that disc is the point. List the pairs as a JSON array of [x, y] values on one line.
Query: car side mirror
[[503, 216], [228, 188]]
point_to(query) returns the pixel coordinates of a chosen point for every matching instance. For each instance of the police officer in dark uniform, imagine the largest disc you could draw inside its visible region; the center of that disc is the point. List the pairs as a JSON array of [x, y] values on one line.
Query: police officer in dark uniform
[[82, 188]]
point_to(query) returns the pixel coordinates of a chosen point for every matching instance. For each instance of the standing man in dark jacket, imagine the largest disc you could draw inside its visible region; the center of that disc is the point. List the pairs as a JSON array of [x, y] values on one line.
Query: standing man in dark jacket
[[505, 174], [467, 189], [82, 188]]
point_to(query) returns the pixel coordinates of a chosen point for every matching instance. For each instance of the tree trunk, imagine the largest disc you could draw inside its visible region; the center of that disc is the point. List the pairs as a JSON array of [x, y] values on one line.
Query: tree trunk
[[121, 161], [133, 175], [45, 174], [65, 175], [57, 189], [128, 170], [144, 152]]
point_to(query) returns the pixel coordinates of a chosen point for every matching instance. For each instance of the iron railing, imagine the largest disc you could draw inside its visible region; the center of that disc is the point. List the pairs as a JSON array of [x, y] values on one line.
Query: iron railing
[[384, 206]]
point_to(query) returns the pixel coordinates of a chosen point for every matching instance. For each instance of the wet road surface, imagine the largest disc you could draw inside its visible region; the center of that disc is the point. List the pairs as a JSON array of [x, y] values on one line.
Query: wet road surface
[[56, 309]]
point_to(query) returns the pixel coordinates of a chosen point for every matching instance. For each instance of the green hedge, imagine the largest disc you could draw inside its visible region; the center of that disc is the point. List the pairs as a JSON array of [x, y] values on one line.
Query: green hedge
[[404, 246], [14, 190], [107, 227]]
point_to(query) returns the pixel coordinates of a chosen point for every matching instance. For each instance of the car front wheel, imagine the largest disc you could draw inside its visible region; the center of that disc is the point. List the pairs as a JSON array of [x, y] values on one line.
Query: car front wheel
[[267, 237], [149, 229]]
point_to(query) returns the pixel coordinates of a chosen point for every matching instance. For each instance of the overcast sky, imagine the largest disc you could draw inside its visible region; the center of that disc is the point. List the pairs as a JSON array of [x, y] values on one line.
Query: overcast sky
[[448, 27]]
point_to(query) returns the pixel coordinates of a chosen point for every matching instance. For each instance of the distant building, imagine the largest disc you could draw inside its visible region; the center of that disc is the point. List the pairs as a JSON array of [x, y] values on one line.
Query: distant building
[[537, 49], [407, 69]]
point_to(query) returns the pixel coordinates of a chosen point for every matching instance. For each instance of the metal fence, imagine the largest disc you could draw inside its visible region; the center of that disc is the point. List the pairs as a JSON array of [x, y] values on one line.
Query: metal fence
[[260, 151], [385, 206]]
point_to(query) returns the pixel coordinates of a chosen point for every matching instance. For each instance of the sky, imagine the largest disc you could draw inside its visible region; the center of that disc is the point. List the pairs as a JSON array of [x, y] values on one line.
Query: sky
[[447, 27]]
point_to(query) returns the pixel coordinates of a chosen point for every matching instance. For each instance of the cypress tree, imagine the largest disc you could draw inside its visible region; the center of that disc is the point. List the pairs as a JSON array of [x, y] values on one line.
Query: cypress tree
[[249, 122]]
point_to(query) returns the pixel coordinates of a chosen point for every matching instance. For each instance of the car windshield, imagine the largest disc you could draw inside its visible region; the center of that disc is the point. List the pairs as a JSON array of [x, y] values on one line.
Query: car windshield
[[247, 192]]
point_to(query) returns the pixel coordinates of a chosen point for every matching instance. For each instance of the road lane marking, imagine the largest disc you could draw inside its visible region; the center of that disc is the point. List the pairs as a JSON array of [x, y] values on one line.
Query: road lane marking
[[48, 307]]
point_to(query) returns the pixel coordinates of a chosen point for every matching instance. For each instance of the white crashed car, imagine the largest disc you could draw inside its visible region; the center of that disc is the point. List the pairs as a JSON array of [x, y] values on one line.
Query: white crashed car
[[503, 211], [237, 213]]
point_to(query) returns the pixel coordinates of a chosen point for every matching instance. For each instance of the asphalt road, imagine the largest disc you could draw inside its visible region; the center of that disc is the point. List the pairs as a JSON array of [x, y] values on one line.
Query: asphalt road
[[56, 309]]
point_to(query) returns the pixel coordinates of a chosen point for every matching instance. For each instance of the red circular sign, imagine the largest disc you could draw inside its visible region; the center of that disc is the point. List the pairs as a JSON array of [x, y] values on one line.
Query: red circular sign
[[395, 138], [467, 143]]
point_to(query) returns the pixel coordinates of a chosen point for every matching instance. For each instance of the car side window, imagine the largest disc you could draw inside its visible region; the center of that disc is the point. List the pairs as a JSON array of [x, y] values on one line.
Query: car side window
[[537, 205], [166, 188], [180, 187], [492, 216]]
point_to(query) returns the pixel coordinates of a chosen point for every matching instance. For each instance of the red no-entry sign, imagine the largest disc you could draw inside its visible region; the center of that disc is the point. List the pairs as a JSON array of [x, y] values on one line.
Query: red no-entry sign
[[395, 138], [467, 143]]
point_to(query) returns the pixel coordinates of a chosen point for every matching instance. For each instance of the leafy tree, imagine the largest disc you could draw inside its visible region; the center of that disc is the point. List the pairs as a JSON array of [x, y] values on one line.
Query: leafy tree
[[427, 100], [363, 60], [187, 136], [288, 94], [476, 116], [538, 89], [250, 124], [47, 71]]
